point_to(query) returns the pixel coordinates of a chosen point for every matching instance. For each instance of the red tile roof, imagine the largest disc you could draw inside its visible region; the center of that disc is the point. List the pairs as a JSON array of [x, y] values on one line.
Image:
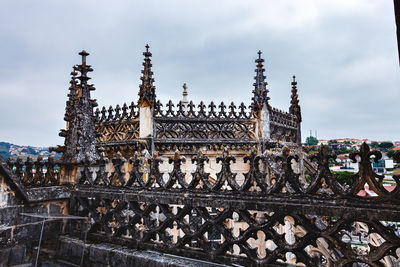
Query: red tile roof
[[366, 190]]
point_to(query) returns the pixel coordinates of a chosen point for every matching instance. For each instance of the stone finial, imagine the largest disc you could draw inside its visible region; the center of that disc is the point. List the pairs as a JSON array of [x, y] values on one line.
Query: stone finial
[[260, 92], [184, 86], [84, 54], [294, 101], [147, 93], [185, 101]]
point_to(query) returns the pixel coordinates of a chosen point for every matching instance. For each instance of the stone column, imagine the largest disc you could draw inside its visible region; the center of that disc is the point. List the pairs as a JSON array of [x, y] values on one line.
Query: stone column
[[263, 128], [145, 122], [264, 124], [68, 174]]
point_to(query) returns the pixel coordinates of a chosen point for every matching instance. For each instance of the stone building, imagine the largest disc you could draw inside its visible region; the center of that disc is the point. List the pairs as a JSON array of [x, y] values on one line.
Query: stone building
[[188, 127], [210, 183], [184, 126]]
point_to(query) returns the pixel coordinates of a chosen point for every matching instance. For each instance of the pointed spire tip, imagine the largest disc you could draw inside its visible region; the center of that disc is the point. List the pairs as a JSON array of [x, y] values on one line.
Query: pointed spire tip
[[147, 89], [147, 52], [83, 53], [260, 92]]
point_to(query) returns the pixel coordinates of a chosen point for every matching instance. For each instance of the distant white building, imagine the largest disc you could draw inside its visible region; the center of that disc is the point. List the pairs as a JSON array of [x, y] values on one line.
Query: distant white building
[[346, 164], [382, 165]]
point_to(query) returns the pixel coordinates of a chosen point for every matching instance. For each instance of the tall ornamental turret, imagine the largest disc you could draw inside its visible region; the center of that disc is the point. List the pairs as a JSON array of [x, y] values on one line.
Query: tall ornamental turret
[[295, 109], [260, 92], [147, 94], [147, 99], [86, 127], [80, 133], [260, 106]]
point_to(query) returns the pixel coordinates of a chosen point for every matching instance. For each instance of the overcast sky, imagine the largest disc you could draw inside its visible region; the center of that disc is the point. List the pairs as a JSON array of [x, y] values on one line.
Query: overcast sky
[[343, 53]]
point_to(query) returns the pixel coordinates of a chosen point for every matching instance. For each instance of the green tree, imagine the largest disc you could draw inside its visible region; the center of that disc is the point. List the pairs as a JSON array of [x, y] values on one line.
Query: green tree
[[4, 150], [344, 177], [311, 141], [385, 146], [374, 144], [390, 153], [343, 150]]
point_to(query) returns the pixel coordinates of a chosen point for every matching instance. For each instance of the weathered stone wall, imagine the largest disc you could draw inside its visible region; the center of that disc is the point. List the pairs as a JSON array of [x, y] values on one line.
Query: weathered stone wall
[[19, 234]]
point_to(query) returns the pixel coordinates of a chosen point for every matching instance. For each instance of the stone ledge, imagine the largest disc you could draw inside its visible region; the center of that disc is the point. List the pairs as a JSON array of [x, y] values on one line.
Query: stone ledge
[[70, 249], [13, 256]]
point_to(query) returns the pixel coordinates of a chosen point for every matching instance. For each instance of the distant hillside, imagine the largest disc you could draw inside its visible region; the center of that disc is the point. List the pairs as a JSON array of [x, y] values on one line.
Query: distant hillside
[[11, 150], [4, 149]]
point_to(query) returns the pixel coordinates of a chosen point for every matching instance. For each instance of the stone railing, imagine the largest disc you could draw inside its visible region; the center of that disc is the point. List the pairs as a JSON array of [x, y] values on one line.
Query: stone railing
[[34, 181], [283, 126], [194, 124], [117, 114], [283, 118], [117, 125], [36, 173], [267, 211], [185, 123], [203, 111]]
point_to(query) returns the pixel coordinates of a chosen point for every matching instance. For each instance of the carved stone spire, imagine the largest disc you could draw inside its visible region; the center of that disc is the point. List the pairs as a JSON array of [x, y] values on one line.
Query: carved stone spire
[[80, 135], [87, 132], [147, 94], [294, 102], [70, 133], [260, 92]]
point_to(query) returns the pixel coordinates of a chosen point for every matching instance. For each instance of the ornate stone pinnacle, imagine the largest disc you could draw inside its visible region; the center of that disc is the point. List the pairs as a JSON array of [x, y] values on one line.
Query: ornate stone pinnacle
[[147, 89], [260, 92], [294, 101], [147, 53], [294, 96], [80, 136]]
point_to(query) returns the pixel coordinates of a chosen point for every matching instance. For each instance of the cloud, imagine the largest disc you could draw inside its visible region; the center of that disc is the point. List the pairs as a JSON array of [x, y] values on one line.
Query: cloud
[[342, 52]]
